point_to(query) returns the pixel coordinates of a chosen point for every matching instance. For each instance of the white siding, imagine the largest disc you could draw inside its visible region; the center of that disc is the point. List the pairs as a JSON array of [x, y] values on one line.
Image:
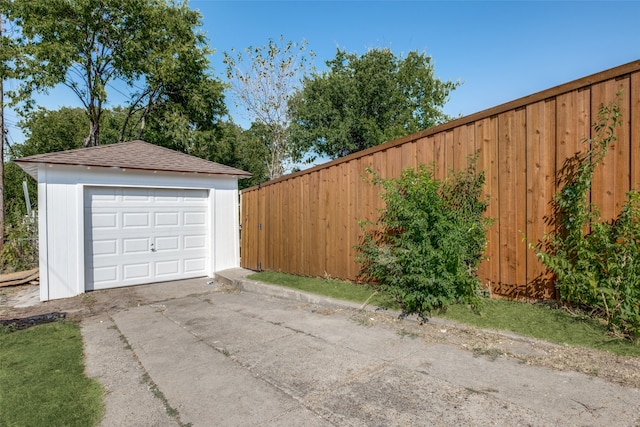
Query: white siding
[[61, 219]]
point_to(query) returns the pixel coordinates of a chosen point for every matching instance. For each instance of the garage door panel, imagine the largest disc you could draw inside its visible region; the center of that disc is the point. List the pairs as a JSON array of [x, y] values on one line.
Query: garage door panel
[[168, 197], [195, 218], [107, 273], [132, 199], [165, 268], [195, 197], [167, 243], [138, 235], [100, 196], [105, 247], [136, 219], [195, 242], [194, 264], [167, 219], [135, 245], [104, 220], [136, 271]]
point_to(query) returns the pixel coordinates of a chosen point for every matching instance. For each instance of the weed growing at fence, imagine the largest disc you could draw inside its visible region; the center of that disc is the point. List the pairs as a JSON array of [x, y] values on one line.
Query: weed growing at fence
[[425, 248], [596, 263]]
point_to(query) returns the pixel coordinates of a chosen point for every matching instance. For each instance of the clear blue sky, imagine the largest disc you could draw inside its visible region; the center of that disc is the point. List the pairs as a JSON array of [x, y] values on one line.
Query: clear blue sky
[[500, 50]]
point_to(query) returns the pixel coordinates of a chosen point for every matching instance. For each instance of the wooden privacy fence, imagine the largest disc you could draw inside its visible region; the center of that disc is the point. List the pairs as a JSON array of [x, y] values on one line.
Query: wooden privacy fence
[[307, 223]]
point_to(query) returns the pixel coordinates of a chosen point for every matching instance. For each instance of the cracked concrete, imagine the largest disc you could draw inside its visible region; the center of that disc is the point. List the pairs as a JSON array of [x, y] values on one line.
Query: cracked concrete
[[247, 359]]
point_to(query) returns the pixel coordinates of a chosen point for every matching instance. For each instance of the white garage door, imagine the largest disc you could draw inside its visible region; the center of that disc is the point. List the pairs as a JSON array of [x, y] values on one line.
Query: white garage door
[[140, 235]]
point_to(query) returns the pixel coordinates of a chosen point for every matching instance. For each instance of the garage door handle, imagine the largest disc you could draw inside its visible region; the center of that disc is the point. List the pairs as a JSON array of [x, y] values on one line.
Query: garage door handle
[[153, 249]]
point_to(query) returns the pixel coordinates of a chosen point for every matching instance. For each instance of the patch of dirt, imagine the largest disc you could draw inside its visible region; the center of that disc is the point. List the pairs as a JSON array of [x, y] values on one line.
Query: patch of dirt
[[76, 308], [482, 343]]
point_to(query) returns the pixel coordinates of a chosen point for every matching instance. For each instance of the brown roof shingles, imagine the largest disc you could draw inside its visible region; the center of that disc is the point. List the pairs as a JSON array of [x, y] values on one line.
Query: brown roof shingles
[[137, 154]]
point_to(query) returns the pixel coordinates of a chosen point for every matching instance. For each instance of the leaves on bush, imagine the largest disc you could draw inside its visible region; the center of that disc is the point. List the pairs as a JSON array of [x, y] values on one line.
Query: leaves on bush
[[425, 248], [596, 263]]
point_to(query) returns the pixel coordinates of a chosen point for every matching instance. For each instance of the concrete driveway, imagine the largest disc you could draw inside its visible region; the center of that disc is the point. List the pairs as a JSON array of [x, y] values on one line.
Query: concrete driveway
[[205, 355]]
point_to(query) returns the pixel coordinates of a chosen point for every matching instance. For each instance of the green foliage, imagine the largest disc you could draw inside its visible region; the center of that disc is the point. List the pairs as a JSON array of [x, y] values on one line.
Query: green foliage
[[596, 263], [332, 288], [20, 251], [42, 380], [151, 47], [230, 145], [425, 248], [362, 101], [263, 78], [49, 131], [544, 321]]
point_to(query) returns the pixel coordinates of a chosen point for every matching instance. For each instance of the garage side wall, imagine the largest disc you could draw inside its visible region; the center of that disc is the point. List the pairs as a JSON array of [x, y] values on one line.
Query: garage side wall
[[61, 219], [60, 239], [226, 225]]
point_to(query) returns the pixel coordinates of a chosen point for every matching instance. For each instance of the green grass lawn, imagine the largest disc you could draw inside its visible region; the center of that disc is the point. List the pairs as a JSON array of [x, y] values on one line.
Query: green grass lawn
[[534, 320], [42, 381], [338, 289]]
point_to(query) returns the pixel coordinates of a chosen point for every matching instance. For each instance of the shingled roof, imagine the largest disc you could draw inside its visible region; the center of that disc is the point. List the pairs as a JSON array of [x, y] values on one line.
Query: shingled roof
[[138, 155]]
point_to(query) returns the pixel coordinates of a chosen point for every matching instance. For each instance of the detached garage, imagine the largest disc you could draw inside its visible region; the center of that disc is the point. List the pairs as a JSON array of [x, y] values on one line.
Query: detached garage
[[130, 214]]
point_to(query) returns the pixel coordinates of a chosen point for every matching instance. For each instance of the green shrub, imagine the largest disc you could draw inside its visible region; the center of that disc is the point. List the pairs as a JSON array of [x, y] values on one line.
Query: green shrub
[[596, 263], [20, 249], [425, 248]]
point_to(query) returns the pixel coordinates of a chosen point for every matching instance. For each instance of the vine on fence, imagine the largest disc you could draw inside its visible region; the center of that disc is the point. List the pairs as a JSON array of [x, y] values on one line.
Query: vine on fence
[[596, 263], [425, 248]]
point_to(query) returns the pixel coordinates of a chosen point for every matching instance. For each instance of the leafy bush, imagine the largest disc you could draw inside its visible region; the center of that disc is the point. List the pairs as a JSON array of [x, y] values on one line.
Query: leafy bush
[[425, 248], [596, 263], [20, 250]]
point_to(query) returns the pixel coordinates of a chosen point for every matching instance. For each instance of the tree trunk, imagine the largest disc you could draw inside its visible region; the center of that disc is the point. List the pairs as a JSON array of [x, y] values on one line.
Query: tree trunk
[[93, 139]]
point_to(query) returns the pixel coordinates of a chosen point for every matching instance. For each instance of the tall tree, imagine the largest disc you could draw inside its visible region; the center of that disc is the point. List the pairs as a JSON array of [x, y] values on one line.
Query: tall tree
[[150, 48], [362, 101], [263, 78], [242, 149], [48, 131]]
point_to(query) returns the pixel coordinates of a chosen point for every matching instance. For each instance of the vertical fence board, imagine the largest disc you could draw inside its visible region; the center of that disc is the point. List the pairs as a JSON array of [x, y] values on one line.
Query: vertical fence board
[[274, 231], [573, 117], [541, 128], [424, 151], [323, 202], [332, 211], [409, 157], [351, 220], [297, 260], [260, 230], [487, 143], [439, 156], [394, 162], [314, 223], [342, 215], [512, 202], [249, 216], [463, 147], [611, 178], [306, 215], [286, 226], [448, 152], [634, 116]]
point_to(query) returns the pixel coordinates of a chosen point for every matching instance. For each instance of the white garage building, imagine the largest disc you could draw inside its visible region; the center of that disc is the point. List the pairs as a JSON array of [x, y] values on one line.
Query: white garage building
[[129, 214]]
